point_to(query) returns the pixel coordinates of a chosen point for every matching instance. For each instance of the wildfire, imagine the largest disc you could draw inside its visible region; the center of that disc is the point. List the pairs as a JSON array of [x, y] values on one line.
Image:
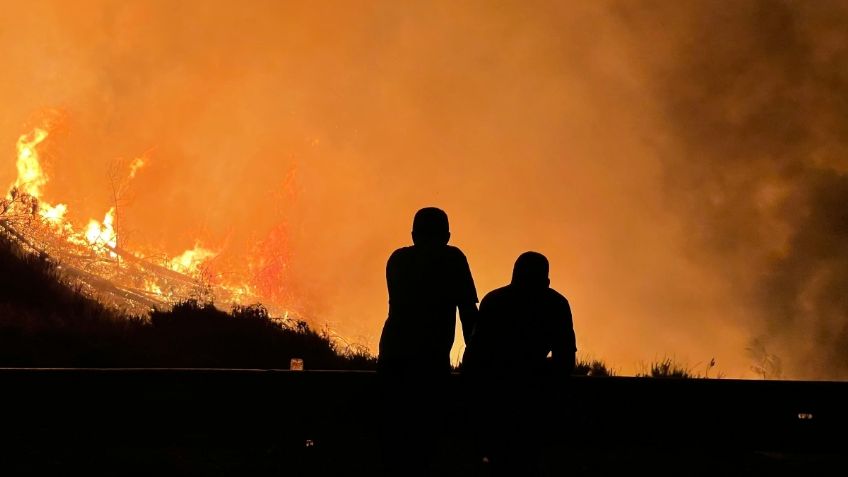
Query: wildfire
[[31, 177], [190, 261], [100, 235], [93, 256], [54, 215]]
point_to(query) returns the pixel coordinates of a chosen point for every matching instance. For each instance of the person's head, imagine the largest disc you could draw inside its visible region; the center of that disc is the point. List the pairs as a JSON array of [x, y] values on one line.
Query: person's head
[[430, 227], [531, 271]]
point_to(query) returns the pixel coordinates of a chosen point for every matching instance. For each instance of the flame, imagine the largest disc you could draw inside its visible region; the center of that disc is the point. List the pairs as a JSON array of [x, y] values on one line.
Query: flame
[[153, 287], [136, 164], [31, 177], [190, 261], [269, 267], [54, 215], [92, 256], [240, 293], [102, 234]]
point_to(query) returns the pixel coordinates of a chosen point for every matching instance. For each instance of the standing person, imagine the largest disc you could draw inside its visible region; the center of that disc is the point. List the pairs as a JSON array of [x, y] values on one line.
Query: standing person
[[427, 283], [518, 326]]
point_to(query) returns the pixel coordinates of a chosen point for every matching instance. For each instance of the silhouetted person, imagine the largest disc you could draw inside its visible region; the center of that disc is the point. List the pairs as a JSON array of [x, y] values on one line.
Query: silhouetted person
[[427, 283], [518, 326], [521, 323]]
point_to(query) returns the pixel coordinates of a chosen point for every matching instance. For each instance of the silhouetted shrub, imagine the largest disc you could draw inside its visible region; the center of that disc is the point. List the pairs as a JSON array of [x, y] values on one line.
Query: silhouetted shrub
[[667, 368], [592, 367]]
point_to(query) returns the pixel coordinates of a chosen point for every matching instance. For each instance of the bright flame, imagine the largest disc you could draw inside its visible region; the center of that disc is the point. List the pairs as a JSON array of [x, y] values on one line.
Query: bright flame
[[148, 282], [31, 177], [190, 261], [136, 164], [54, 215], [152, 287], [100, 234]]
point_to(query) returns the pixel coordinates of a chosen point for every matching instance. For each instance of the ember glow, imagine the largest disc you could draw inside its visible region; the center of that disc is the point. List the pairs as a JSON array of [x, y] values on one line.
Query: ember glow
[[681, 165]]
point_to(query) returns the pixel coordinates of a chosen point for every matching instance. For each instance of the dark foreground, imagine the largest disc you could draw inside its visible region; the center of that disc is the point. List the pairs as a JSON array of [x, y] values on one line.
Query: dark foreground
[[242, 422]]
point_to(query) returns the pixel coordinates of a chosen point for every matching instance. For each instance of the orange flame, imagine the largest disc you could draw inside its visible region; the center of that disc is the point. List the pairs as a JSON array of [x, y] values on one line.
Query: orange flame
[[54, 215], [190, 261], [99, 234], [137, 164], [31, 177], [152, 282]]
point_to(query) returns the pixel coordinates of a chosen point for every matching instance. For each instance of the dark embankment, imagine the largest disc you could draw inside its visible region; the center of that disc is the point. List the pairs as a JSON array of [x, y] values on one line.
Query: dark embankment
[[227, 422], [46, 323]]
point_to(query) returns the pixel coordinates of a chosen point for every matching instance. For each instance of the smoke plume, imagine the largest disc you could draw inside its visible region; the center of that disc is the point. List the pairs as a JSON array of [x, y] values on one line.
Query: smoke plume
[[754, 97]]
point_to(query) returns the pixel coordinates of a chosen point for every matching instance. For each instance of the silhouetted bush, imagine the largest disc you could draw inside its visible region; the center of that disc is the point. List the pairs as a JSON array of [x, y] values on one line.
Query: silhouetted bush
[[46, 323], [592, 367], [667, 368]]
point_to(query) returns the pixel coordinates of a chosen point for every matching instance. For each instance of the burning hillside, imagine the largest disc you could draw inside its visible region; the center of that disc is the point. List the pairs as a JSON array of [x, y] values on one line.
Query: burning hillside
[[92, 258]]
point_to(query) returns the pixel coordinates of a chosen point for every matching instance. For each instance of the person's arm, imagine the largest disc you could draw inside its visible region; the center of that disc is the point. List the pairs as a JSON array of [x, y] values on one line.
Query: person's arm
[[477, 356], [466, 298], [468, 317], [388, 341], [564, 349], [392, 275]]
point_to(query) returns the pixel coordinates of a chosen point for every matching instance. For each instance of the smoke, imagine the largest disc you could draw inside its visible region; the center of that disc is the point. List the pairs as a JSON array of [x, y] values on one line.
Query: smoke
[[754, 97], [680, 165]]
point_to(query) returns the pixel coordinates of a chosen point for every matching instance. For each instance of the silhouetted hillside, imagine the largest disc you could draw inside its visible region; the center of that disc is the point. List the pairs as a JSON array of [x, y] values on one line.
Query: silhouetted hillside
[[46, 323]]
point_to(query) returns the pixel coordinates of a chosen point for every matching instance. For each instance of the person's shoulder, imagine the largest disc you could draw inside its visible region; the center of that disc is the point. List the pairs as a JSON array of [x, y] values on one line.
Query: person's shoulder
[[498, 294], [557, 297], [455, 254], [454, 251], [402, 252]]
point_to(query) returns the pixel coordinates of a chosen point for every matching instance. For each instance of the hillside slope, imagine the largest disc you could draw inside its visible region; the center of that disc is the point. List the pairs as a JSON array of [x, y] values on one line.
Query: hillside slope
[[46, 323]]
